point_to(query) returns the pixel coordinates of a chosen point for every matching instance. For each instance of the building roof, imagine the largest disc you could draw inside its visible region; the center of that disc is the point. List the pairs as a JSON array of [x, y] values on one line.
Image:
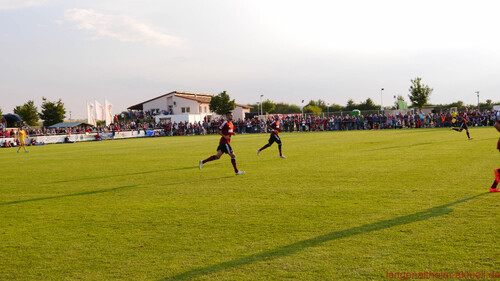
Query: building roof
[[188, 95], [244, 106], [199, 97]]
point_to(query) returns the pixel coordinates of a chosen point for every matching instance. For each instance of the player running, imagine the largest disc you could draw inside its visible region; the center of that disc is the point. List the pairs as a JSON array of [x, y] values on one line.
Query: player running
[[493, 187], [275, 128], [22, 139], [226, 130], [463, 119]]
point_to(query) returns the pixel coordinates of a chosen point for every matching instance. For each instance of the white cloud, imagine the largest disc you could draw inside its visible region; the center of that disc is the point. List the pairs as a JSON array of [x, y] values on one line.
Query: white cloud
[[20, 4], [120, 27]]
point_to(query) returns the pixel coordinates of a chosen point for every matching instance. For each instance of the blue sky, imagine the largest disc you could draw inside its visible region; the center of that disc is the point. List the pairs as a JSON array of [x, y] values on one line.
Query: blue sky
[[131, 51]]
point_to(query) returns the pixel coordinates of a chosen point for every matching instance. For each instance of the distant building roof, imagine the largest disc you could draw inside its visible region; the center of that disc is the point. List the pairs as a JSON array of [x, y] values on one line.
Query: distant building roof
[[201, 98], [244, 106], [69, 125]]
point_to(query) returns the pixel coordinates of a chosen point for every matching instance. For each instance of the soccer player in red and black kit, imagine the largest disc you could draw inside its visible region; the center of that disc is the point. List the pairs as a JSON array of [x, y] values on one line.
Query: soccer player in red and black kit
[[463, 119], [275, 128], [494, 186], [226, 130]]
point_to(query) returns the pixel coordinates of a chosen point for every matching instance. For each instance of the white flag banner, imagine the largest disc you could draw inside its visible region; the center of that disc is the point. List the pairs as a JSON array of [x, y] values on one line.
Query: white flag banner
[[99, 111], [108, 112], [90, 114]]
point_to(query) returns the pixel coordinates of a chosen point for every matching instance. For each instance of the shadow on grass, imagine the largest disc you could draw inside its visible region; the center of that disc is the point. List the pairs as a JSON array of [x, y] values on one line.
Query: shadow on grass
[[402, 146], [288, 250], [124, 175], [67, 195], [105, 190], [425, 143]]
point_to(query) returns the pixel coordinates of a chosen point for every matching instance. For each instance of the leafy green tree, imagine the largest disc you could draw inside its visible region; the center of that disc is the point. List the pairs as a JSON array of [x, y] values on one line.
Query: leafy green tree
[[419, 93], [52, 112], [319, 103], [268, 106], [285, 108], [255, 107], [458, 104], [314, 109], [28, 112], [368, 105], [351, 105], [222, 103], [1, 113], [335, 108]]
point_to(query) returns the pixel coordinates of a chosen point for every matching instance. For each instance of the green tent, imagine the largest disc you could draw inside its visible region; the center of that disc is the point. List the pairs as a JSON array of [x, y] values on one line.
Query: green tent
[[402, 104], [355, 112]]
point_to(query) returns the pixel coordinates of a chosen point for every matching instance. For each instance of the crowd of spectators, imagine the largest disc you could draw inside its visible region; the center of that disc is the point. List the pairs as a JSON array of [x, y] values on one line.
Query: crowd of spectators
[[150, 114], [296, 123], [290, 123]]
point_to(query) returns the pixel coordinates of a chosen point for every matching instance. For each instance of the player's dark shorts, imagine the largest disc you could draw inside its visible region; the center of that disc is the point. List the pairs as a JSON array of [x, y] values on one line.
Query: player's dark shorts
[[225, 148], [274, 138], [463, 126]]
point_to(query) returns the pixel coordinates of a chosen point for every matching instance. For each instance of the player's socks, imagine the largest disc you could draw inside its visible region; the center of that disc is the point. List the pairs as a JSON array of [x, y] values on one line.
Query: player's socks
[[497, 175], [233, 161], [494, 185], [264, 147], [211, 158], [279, 147], [468, 134]]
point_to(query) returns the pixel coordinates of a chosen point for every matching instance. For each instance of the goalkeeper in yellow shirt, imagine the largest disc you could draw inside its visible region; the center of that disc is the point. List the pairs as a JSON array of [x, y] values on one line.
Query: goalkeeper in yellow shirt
[[22, 139]]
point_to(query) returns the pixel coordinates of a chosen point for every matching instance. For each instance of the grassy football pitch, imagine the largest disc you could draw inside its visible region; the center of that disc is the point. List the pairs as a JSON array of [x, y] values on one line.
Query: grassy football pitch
[[343, 206]]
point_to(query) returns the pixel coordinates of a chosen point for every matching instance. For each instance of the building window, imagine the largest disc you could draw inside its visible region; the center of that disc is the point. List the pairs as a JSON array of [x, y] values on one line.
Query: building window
[[185, 109]]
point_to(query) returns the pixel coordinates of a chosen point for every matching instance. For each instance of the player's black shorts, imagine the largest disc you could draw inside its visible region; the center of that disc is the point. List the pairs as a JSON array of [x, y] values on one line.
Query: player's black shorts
[[274, 138], [225, 148], [463, 126]]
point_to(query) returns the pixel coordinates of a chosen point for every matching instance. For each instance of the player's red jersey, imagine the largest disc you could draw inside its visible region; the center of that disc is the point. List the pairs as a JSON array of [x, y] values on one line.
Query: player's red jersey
[[464, 117], [275, 127], [227, 130]]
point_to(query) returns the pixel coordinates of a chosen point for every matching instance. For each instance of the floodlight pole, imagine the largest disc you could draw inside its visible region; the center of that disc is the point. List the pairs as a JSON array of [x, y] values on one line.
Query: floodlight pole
[[261, 109], [381, 100], [303, 109], [477, 100]]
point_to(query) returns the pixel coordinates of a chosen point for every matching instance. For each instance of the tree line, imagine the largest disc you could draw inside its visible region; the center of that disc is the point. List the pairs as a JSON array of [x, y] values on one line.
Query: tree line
[[419, 97], [52, 112]]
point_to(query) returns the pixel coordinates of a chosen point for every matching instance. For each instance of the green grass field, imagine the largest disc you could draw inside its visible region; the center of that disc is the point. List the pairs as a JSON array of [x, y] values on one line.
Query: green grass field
[[342, 206]]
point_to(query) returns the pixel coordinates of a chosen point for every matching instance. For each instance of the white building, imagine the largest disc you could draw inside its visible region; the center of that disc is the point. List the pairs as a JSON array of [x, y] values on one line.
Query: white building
[[184, 106]]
